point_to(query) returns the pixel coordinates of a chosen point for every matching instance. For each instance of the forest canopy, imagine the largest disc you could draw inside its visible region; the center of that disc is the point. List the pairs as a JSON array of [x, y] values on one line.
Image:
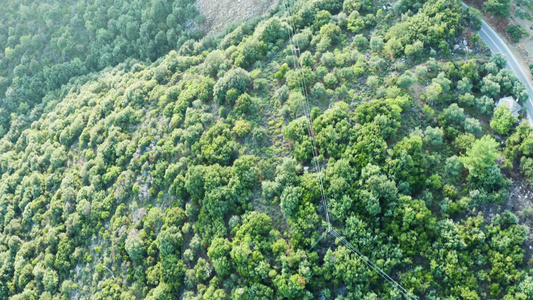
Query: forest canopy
[[139, 159]]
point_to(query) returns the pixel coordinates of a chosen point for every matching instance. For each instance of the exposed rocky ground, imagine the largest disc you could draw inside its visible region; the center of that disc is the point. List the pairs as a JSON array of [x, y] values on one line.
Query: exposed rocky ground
[[221, 13]]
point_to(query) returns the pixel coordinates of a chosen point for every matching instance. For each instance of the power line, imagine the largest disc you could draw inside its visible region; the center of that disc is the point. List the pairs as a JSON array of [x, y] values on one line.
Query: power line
[[302, 84], [370, 264]]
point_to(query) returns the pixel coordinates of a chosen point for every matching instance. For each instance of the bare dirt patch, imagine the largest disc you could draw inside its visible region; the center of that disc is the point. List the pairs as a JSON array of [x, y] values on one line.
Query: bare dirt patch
[[221, 13]]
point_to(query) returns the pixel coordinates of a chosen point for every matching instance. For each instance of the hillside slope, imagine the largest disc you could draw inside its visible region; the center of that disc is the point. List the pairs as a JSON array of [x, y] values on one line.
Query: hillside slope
[[192, 177]]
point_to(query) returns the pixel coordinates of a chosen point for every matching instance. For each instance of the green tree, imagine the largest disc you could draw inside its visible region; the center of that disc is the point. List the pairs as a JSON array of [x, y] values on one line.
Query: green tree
[[406, 80], [217, 146], [282, 71], [290, 199], [503, 120], [516, 32], [135, 247], [499, 59], [484, 104], [433, 91], [213, 62], [433, 136], [355, 22], [50, 280], [351, 5], [466, 100], [454, 114], [322, 18], [376, 43], [414, 49], [372, 81], [444, 82], [454, 166], [219, 253], [473, 126], [464, 85], [272, 31], [333, 6], [237, 79], [169, 240], [500, 8], [480, 156]]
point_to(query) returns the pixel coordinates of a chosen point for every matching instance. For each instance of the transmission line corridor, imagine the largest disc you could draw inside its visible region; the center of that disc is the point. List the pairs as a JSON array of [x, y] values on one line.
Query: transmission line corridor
[[323, 201]]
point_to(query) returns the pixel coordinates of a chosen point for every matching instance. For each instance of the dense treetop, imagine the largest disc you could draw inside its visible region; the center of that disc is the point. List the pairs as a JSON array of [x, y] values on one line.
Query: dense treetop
[[192, 177], [46, 43]]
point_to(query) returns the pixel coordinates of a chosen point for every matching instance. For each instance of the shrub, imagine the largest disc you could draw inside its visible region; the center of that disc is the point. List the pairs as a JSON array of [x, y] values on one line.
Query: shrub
[[516, 32], [406, 80], [485, 105], [328, 59], [135, 247], [242, 128], [467, 100], [330, 80], [237, 79]]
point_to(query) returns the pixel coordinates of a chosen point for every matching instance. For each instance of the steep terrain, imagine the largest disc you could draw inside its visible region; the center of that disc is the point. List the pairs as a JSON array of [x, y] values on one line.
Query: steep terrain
[[192, 177]]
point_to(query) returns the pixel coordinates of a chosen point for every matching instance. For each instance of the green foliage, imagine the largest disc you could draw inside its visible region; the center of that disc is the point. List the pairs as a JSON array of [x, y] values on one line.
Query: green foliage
[[422, 26], [444, 82], [128, 184], [500, 8], [520, 13], [433, 136], [213, 62], [282, 71], [480, 156], [466, 100], [499, 59], [474, 17], [322, 18], [330, 34], [237, 79], [484, 104], [273, 31], [516, 32], [376, 43], [454, 114], [472, 126], [51, 43], [333, 6], [503, 120], [406, 80], [433, 91], [355, 22], [454, 166], [135, 247], [169, 240], [350, 6], [298, 131]]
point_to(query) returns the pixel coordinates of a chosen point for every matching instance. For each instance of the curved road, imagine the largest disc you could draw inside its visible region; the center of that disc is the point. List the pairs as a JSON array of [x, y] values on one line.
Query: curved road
[[497, 45]]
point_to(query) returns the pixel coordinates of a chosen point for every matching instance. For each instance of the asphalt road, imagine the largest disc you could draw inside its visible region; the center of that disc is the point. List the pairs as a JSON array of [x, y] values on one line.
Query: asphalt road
[[497, 45]]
